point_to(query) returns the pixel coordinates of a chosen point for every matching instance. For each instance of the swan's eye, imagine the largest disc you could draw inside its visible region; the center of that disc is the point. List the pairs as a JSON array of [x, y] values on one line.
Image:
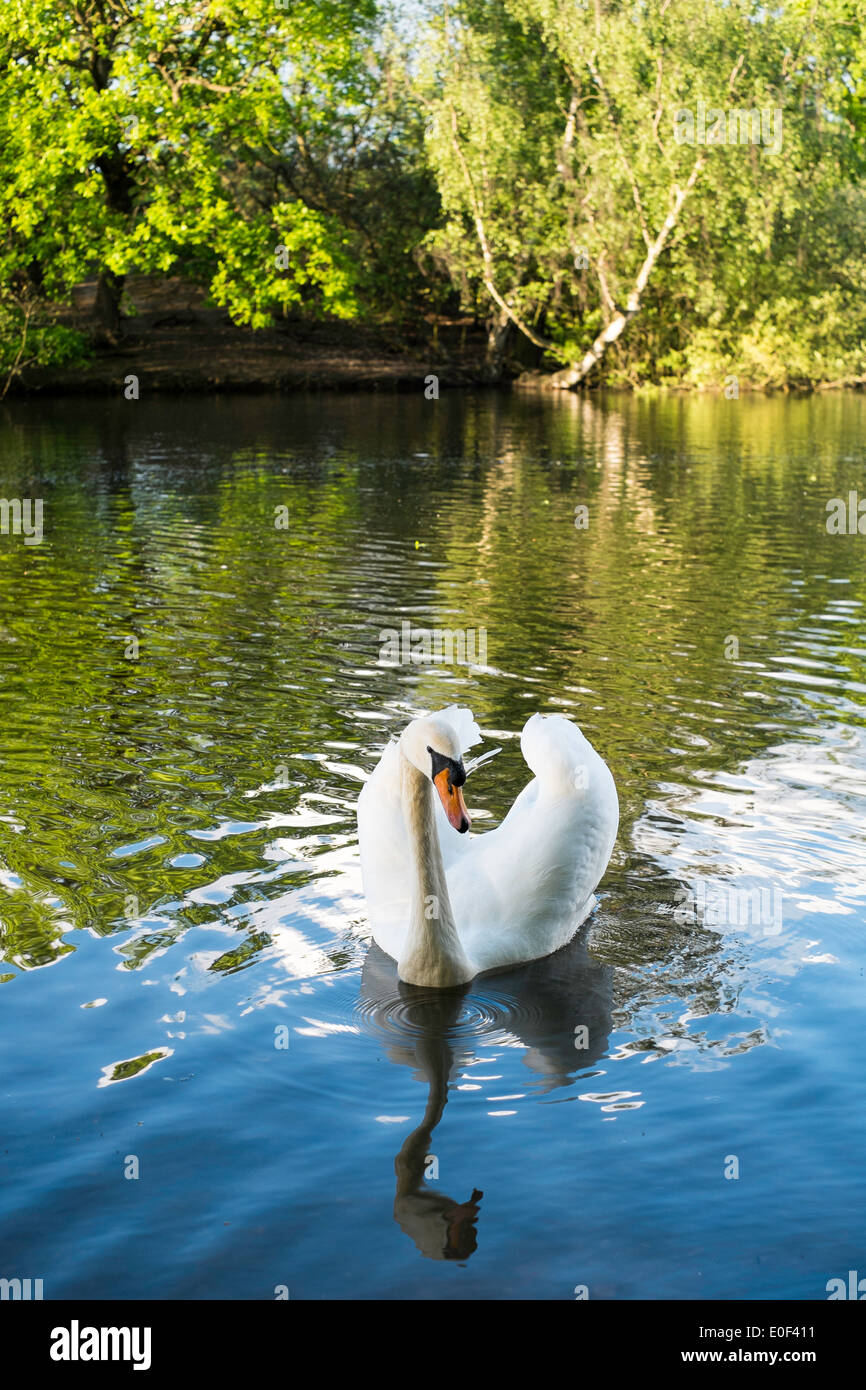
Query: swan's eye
[[440, 763]]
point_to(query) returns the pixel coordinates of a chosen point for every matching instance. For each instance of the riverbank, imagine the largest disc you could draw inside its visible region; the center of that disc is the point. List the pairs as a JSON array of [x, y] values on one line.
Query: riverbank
[[175, 343], [183, 355]]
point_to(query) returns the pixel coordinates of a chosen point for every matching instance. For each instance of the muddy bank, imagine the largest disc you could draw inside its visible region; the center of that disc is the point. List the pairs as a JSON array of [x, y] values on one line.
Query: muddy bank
[[175, 343], [194, 357]]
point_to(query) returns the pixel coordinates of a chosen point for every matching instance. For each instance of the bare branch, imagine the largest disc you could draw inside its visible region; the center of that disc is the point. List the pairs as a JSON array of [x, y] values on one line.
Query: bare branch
[[562, 166], [486, 253]]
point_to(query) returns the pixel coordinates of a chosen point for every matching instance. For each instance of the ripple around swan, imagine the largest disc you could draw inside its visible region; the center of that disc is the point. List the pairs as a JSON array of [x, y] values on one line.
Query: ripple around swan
[[411, 1013]]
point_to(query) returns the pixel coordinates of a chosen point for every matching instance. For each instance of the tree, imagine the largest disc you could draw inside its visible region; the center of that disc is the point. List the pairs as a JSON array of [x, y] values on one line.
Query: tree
[[599, 161], [140, 134]]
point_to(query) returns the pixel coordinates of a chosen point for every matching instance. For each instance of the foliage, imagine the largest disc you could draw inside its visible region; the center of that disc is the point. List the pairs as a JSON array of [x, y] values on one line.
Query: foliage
[[138, 135], [553, 134], [332, 157], [26, 340]]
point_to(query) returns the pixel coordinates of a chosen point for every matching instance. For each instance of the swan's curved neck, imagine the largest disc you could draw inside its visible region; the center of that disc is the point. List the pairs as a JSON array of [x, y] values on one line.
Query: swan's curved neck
[[432, 954]]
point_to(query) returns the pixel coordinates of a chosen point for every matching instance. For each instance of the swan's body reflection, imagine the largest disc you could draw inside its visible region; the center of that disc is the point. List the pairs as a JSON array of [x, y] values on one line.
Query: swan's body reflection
[[559, 1007]]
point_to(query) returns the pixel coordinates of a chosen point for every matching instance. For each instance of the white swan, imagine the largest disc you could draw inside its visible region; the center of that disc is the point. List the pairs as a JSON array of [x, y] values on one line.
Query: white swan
[[446, 906]]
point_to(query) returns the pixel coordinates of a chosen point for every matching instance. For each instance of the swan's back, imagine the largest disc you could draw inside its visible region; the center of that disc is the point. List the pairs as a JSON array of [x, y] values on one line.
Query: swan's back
[[525, 887]]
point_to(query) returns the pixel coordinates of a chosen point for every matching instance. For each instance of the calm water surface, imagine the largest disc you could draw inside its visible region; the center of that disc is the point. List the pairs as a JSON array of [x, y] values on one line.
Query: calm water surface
[[191, 696]]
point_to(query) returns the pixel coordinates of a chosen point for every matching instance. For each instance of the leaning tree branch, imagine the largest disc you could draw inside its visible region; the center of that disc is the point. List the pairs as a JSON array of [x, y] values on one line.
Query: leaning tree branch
[[573, 375], [486, 253]]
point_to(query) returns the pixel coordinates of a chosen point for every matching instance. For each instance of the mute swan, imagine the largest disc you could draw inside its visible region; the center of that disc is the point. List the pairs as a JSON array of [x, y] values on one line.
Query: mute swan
[[447, 907]]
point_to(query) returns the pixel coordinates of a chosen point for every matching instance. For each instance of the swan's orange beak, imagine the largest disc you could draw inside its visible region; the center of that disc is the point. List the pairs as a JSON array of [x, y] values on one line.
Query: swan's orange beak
[[452, 800]]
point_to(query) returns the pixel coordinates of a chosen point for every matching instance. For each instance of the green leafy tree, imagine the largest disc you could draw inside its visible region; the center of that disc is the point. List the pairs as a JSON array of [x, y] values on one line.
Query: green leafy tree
[[578, 197], [140, 135]]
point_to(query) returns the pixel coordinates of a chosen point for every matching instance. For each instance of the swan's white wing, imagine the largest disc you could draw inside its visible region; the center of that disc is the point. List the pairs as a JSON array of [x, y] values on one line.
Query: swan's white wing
[[556, 751], [526, 886]]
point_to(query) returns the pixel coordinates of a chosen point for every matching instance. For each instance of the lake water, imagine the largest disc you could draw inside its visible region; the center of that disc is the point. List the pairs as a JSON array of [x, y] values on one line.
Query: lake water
[[192, 690]]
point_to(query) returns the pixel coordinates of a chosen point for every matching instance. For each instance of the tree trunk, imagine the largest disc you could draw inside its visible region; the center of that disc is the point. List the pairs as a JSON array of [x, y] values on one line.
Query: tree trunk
[[106, 306], [572, 376], [498, 334], [117, 180]]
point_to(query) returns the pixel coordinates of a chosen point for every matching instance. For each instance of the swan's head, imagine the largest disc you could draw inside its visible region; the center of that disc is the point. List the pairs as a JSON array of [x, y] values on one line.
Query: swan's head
[[433, 747]]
